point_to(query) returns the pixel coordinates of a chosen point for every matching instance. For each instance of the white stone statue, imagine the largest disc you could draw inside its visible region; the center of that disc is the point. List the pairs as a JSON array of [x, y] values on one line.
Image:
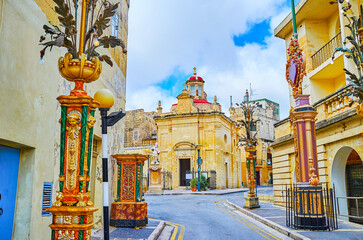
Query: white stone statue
[[155, 154]]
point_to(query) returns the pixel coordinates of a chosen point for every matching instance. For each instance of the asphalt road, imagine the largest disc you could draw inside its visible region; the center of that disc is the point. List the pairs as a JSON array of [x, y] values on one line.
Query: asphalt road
[[207, 217]]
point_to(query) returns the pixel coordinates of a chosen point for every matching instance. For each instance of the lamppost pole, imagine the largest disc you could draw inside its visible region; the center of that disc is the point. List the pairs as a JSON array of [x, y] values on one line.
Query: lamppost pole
[[198, 170], [252, 199], [106, 100], [106, 224], [199, 162]]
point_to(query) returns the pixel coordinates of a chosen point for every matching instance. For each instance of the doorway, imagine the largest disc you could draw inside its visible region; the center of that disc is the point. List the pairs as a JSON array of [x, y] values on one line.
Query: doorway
[[257, 178], [354, 178], [9, 168], [347, 177], [184, 165]]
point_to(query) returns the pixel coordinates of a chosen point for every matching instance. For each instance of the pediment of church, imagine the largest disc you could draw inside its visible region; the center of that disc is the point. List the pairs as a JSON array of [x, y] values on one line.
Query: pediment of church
[[184, 146]]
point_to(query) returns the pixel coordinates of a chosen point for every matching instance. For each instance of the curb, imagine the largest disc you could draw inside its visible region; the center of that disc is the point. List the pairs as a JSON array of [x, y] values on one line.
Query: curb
[[189, 194], [277, 227], [156, 233]]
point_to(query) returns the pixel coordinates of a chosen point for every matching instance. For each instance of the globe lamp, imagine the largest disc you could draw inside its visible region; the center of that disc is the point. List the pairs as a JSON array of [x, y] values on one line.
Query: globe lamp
[[105, 98]]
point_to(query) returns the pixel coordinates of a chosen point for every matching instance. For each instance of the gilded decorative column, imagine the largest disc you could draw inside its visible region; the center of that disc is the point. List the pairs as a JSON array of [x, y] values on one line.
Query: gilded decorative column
[[129, 209], [73, 212], [308, 200], [251, 200]]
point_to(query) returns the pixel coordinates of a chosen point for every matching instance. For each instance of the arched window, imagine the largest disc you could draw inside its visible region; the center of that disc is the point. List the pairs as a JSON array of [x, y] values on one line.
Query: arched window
[[192, 90], [200, 92]]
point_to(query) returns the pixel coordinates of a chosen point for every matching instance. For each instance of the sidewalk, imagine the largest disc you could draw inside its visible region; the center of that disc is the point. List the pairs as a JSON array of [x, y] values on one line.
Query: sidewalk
[[274, 217], [190, 192], [150, 232]]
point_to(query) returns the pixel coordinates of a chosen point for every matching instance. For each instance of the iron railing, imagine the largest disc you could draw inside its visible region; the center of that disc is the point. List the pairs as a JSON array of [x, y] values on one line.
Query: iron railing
[[352, 212], [326, 51], [167, 180], [312, 208]]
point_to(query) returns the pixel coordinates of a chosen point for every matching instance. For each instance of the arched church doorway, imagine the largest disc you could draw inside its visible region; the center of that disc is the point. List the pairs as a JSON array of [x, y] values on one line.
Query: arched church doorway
[[347, 176]]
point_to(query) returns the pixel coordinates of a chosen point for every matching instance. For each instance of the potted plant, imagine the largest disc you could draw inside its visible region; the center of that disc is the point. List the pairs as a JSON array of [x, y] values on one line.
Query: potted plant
[[194, 184], [203, 183]]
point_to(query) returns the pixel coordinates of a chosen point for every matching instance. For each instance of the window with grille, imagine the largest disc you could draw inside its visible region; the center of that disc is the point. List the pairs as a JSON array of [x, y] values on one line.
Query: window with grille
[[136, 135], [47, 198], [114, 26]]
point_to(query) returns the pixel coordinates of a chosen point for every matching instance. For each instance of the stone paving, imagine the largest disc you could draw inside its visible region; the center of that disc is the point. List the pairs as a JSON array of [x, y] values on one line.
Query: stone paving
[[190, 192], [277, 214], [127, 233]]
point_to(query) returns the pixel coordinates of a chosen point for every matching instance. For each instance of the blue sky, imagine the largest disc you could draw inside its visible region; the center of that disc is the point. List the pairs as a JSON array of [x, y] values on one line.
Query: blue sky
[[231, 45], [257, 34]]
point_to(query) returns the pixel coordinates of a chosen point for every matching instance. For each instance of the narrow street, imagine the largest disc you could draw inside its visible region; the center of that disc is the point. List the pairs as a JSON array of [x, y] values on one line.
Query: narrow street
[[207, 217]]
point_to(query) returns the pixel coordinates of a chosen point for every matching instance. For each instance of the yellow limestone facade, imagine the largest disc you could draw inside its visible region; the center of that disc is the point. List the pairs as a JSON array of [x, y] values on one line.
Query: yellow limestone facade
[[192, 121], [30, 111], [339, 130]]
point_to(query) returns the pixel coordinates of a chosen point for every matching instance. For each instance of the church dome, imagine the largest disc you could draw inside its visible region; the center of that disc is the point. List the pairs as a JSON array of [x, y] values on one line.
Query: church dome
[[195, 77]]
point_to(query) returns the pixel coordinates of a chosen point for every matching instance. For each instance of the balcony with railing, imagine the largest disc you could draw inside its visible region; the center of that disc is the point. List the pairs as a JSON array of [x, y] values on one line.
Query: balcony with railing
[[335, 104], [326, 51]]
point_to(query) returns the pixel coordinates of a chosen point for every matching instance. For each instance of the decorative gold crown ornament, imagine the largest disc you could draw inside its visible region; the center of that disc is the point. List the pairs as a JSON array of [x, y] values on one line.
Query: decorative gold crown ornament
[[250, 148], [79, 71]]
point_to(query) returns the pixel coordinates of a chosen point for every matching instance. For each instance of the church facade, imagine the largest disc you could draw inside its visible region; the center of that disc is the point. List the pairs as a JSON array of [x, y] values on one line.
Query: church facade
[[194, 123]]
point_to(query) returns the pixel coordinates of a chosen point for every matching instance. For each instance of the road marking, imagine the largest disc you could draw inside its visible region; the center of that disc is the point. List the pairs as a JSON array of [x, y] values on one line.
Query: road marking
[[250, 225], [176, 229]]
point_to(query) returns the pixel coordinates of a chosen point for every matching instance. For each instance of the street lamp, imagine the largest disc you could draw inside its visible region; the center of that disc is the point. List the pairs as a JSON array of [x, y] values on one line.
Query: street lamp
[[249, 141], [199, 162], [106, 100]]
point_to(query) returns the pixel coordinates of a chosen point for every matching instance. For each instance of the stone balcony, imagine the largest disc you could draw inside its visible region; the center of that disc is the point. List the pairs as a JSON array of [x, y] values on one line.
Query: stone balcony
[[334, 104], [331, 109]]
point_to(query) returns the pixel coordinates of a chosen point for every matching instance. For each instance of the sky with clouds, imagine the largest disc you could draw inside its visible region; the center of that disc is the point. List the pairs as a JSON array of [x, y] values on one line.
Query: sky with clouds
[[230, 42]]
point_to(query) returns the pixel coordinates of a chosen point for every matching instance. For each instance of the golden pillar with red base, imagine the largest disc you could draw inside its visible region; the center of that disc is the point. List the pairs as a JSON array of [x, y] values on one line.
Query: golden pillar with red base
[[251, 200], [308, 191], [129, 209], [308, 202], [72, 213]]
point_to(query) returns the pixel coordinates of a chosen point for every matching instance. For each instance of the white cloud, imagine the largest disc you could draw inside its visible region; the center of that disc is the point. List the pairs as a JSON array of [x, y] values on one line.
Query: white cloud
[[165, 35], [148, 97]]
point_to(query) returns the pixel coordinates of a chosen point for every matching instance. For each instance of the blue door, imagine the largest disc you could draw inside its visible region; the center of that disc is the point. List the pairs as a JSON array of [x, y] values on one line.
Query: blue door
[[9, 166]]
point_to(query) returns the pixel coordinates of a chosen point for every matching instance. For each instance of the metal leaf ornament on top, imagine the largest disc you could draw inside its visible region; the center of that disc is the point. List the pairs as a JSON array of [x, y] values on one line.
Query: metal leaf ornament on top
[[295, 67], [355, 53], [65, 34]]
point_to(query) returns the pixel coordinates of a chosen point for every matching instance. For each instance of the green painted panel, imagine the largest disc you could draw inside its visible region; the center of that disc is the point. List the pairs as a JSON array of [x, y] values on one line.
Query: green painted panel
[[82, 219], [90, 144], [53, 234], [83, 141], [119, 182], [62, 143], [80, 235], [138, 178]]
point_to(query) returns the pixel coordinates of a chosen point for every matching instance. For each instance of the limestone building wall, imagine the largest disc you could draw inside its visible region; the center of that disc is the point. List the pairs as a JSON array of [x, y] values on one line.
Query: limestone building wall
[[30, 111], [139, 126]]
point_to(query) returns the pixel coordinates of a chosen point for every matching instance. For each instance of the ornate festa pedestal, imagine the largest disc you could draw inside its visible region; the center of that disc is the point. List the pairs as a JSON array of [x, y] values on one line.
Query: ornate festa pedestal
[[308, 193], [71, 222], [309, 208], [155, 185], [129, 209], [251, 200], [72, 213]]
